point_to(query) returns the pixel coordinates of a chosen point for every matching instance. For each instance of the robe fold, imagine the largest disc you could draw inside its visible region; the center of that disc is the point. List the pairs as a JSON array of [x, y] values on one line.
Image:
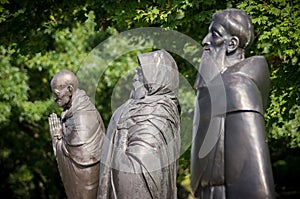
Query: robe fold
[[142, 144], [238, 164], [78, 152]]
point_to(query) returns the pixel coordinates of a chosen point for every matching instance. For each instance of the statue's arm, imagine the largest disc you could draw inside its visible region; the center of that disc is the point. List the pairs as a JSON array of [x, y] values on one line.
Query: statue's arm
[[139, 146], [55, 130]]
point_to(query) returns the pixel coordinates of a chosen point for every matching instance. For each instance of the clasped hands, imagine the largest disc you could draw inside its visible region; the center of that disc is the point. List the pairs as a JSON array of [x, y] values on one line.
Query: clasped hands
[[55, 126]]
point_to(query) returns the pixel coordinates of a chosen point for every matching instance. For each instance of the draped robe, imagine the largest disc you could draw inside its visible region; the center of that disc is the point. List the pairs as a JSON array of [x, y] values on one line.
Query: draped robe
[[143, 141], [78, 151], [238, 165]]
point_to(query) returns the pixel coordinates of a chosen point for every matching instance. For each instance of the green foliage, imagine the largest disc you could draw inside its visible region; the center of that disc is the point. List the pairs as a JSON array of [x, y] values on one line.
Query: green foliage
[[288, 130], [29, 169], [39, 38], [12, 83], [277, 37]]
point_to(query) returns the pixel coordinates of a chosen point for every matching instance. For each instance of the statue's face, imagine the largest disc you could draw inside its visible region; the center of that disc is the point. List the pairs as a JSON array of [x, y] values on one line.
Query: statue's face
[[138, 84], [61, 96], [215, 44]]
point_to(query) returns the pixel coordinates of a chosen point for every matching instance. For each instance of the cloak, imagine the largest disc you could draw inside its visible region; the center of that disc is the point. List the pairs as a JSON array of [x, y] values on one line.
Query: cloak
[[143, 139], [78, 152], [237, 164]]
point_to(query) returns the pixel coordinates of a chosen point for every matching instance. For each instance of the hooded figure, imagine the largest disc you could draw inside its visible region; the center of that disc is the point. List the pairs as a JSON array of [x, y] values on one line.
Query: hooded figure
[[143, 139]]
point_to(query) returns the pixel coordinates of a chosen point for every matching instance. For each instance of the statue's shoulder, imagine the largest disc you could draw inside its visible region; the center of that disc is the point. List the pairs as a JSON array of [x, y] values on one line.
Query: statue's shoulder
[[121, 111], [256, 62], [255, 68], [252, 74], [250, 65]]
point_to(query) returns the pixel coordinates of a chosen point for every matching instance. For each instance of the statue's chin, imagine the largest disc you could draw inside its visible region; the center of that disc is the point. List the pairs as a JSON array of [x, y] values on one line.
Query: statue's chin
[[60, 104]]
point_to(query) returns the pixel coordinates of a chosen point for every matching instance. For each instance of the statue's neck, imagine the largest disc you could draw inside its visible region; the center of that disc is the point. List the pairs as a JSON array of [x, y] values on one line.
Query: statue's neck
[[234, 58]]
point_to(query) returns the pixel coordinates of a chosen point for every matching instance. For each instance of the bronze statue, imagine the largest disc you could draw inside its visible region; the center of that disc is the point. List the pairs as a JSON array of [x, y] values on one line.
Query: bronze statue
[[230, 157], [143, 140], [77, 137]]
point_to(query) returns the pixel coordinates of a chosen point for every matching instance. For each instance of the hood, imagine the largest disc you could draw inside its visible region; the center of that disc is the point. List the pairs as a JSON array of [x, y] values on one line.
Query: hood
[[160, 73]]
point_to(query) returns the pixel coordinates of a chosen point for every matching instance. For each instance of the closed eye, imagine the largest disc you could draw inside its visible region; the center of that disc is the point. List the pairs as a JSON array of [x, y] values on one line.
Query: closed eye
[[215, 34], [56, 92]]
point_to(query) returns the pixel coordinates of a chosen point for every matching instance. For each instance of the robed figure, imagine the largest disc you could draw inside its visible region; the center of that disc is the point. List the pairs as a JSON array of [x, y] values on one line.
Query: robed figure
[[142, 144], [77, 137], [230, 156]]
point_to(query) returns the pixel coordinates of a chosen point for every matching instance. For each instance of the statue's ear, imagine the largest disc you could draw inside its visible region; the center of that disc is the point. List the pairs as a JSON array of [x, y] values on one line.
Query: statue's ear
[[70, 89], [233, 44]]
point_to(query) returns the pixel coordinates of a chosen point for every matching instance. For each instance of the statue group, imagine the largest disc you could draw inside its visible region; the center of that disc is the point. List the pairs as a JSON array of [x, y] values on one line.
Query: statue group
[[137, 155]]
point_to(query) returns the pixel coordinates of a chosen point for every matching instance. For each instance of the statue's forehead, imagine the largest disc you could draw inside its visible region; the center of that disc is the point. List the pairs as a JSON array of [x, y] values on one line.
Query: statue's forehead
[[217, 26], [57, 83]]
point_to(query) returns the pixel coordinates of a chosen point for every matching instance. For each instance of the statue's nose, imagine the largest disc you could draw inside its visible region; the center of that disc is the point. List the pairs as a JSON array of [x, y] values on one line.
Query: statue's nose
[[206, 40]]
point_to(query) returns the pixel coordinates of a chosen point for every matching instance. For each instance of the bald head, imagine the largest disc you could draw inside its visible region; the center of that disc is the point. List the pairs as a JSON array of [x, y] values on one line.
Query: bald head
[[64, 78], [63, 85]]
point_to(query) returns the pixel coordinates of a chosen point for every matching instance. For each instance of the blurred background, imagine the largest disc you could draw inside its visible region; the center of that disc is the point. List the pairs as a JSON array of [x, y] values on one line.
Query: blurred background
[[39, 38]]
